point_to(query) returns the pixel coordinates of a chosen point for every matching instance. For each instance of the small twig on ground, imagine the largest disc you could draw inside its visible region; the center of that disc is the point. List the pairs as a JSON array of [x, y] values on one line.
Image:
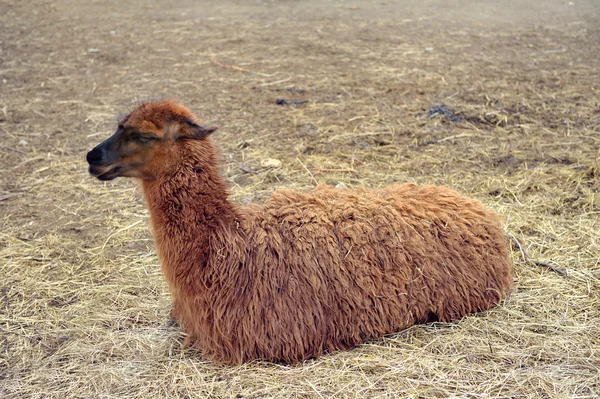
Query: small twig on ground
[[27, 161], [321, 170], [518, 244], [234, 67], [558, 270], [7, 196], [13, 149], [309, 172], [120, 231], [527, 259], [489, 342], [456, 136]]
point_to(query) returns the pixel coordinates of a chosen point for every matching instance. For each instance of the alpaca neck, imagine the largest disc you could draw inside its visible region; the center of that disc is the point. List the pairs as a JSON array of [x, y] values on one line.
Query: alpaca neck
[[188, 204]]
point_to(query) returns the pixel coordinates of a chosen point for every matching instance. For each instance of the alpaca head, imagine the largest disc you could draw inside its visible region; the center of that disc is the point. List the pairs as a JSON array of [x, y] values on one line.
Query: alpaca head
[[146, 141]]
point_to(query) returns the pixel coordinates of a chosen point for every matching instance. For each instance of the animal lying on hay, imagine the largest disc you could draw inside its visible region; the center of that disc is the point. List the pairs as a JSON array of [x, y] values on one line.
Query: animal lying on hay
[[307, 273]]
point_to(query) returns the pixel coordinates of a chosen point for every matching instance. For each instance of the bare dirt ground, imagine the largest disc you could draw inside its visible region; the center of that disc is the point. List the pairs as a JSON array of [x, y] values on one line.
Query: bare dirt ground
[[496, 99]]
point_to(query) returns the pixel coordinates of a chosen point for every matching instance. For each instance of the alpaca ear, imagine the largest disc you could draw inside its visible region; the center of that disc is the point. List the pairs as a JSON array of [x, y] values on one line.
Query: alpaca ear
[[197, 131]]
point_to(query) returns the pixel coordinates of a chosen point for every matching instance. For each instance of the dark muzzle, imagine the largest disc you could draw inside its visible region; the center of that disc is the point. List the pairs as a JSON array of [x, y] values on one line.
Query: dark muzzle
[[101, 163], [95, 157]]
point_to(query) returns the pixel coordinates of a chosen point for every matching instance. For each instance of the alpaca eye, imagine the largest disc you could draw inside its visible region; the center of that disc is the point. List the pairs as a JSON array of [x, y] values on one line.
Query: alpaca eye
[[142, 139]]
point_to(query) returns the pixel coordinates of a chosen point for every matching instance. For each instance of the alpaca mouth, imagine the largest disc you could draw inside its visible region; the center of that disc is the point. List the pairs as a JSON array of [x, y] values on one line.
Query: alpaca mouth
[[101, 173]]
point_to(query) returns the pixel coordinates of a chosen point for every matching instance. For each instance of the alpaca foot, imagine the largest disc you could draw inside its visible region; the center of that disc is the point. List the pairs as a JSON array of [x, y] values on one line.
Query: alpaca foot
[[173, 320]]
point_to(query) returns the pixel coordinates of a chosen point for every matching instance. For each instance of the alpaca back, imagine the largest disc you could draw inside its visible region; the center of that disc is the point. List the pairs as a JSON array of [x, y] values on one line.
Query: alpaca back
[[329, 269]]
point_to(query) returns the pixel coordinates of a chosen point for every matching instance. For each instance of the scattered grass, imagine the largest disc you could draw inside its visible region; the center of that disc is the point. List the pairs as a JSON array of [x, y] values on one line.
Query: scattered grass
[[83, 305]]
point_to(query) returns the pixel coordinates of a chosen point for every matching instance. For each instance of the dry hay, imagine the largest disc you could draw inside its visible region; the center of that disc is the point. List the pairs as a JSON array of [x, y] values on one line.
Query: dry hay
[[506, 113]]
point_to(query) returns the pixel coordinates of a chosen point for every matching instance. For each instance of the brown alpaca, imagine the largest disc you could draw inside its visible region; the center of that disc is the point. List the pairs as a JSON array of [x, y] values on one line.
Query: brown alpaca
[[307, 273]]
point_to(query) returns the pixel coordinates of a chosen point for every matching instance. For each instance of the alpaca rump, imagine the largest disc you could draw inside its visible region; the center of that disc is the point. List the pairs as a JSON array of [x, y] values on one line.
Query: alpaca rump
[[307, 273]]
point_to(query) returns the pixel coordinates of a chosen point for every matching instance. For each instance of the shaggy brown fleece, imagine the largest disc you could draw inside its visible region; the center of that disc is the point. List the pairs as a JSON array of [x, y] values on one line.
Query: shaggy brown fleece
[[307, 273]]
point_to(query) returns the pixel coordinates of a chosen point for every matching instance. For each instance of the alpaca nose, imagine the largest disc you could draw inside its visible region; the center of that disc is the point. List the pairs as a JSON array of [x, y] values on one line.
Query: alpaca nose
[[94, 157]]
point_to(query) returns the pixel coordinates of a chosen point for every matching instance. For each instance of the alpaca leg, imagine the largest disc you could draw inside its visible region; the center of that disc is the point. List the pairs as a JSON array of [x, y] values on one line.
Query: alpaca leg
[[175, 314]]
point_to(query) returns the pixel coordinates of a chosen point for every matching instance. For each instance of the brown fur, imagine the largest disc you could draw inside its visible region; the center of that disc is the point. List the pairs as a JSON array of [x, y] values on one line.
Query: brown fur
[[307, 273]]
